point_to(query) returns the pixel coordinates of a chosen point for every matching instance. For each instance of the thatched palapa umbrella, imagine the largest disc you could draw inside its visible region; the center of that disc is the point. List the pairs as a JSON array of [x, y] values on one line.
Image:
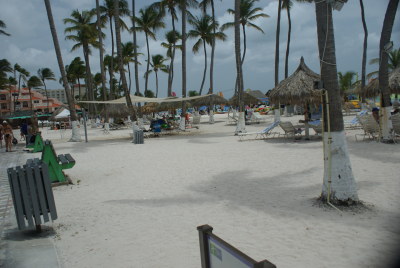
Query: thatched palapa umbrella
[[249, 97], [209, 100], [372, 89], [297, 88]]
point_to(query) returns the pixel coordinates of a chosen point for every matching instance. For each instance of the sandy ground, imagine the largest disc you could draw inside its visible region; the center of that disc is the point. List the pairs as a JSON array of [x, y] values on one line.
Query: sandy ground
[[139, 205]]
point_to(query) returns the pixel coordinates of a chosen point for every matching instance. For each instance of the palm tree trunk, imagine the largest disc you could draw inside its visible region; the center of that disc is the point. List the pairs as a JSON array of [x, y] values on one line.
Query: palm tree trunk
[[112, 89], [30, 98], [148, 64], [103, 74], [89, 89], [244, 44], [171, 67], [205, 67], [71, 103], [136, 60], [79, 88], [364, 58], [241, 122], [47, 96], [129, 76], [183, 8], [120, 61], [211, 90], [156, 83], [339, 185], [278, 30], [383, 68], [288, 42]]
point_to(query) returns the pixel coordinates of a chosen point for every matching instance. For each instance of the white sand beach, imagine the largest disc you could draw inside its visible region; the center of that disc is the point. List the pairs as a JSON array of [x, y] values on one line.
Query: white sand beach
[[139, 205]]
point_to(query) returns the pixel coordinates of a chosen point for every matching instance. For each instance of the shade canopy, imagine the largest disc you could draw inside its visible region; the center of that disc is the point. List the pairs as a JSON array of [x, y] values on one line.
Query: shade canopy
[[297, 88], [372, 89], [210, 100], [138, 99], [250, 97]]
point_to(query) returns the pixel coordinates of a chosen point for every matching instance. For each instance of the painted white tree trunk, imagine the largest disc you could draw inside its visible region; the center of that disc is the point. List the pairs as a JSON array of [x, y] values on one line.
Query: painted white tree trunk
[[93, 123], [386, 124], [277, 114], [76, 135], [343, 185], [211, 121], [182, 124], [285, 113], [140, 123], [241, 124]]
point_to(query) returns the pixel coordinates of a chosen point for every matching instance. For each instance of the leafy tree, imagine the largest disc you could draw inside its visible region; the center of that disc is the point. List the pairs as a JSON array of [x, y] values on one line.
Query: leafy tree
[[393, 62], [248, 13], [85, 36], [149, 94], [203, 30], [157, 63], [3, 25], [149, 21], [193, 93], [128, 55], [46, 74], [171, 45], [346, 82]]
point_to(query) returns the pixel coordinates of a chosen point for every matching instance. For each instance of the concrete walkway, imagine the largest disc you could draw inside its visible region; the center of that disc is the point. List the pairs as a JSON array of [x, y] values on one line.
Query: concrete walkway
[[21, 248]]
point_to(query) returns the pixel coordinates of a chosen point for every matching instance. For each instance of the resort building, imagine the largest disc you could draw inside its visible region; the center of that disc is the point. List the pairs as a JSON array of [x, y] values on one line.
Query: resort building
[[12, 100]]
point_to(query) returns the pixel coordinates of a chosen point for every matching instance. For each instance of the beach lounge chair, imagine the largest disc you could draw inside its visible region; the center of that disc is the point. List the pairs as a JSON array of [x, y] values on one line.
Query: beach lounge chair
[[316, 126], [290, 129], [396, 125], [354, 123], [370, 127], [263, 133], [256, 118]]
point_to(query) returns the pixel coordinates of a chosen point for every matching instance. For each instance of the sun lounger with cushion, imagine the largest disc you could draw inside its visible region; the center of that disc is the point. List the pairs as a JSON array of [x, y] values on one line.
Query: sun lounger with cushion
[[263, 133]]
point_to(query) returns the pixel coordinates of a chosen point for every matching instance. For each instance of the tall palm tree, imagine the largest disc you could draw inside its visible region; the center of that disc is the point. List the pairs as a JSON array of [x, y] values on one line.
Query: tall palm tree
[[5, 67], [133, 29], [23, 75], [120, 60], [365, 44], [183, 7], [85, 36], [157, 64], [148, 22], [46, 74], [33, 82], [278, 30], [239, 62], [77, 69], [101, 54], [172, 38], [3, 25], [383, 68], [71, 103], [248, 13], [339, 185], [107, 11], [128, 56], [203, 30]]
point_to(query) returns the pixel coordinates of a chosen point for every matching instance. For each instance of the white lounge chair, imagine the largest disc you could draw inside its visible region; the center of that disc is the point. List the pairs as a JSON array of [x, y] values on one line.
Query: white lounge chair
[[257, 118], [290, 129], [354, 123], [370, 127], [263, 133]]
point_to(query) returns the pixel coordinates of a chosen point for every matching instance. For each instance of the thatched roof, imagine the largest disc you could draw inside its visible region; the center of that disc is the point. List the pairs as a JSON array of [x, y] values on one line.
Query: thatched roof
[[116, 110], [249, 97], [372, 89], [297, 88], [210, 100]]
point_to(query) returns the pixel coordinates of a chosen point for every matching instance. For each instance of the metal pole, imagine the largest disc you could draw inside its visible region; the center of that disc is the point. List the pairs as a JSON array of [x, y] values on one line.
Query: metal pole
[[84, 124]]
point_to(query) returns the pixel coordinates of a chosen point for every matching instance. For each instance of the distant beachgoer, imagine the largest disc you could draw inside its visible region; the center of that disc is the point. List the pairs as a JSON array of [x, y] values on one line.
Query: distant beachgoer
[[8, 136], [1, 136], [375, 114], [24, 131]]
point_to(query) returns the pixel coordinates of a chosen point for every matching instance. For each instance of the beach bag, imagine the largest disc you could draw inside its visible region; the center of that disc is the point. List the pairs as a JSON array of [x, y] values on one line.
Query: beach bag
[[14, 141]]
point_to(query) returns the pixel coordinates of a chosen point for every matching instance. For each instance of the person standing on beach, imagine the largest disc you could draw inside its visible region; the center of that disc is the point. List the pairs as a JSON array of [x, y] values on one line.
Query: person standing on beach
[[8, 136], [1, 136]]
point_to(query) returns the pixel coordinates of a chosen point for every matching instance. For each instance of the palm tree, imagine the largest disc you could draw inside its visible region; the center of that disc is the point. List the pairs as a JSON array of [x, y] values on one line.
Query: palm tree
[[135, 53], [5, 67], [128, 56], [365, 44], [101, 52], [120, 60], [157, 63], [71, 103], [339, 185], [393, 62], [239, 62], [85, 36], [148, 22], [46, 74], [346, 81], [248, 13], [383, 68], [183, 7], [34, 82], [203, 30], [3, 25], [278, 30], [23, 74], [107, 11], [172, 38], [77, 70]]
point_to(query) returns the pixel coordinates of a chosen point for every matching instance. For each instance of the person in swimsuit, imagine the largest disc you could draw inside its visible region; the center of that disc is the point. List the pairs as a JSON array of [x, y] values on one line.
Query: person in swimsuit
[[8, 136]]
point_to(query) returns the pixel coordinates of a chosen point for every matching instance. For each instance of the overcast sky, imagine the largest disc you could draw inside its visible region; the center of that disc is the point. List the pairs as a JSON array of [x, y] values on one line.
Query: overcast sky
[[30, 44]]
